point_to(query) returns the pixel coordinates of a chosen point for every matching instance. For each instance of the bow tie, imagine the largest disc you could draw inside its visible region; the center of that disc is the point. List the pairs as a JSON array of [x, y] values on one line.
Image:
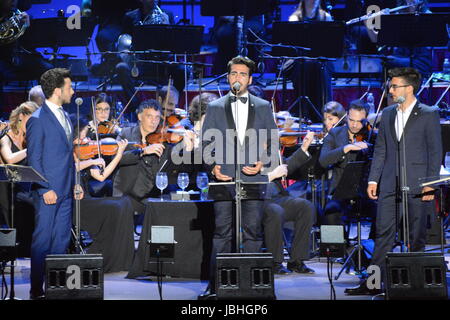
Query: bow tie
[[243, 99]]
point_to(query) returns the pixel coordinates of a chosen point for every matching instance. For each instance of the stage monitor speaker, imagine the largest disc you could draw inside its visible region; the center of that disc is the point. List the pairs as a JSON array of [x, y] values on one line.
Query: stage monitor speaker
[[7, 244], [245, 276], [74, 277], [415, 275], [332, 242]]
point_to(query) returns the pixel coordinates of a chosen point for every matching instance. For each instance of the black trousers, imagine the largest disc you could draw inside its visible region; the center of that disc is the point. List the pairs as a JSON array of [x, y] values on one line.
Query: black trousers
[[276, 213], [386, 225]]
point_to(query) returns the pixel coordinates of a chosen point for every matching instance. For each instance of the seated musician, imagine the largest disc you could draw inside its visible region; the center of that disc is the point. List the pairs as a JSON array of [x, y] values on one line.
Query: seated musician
[[103, 115], [283, 207], [197, 111], [333, 113], [149, 13], [138, 167], [169, 103], [36, 95], [13, 151], [108, 221], [339, 148]]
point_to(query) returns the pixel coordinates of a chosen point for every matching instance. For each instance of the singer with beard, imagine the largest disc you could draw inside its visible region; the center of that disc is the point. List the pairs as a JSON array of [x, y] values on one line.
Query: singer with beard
[[409, 137], [238, 111]]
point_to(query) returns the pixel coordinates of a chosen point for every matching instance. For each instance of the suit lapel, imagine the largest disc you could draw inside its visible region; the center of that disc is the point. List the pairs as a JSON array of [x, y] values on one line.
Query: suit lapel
[[391, 119], [413, 117], [229, 113], [251, 113], [55, 121]]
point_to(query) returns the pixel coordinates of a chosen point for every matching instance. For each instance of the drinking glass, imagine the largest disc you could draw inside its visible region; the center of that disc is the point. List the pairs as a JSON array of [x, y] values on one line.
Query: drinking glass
[[202, 184], [161, 182], [183, 181]]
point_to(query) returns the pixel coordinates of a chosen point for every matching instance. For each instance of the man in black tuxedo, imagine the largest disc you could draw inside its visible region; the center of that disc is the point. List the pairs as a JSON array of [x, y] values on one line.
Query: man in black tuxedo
[[409, 141], [250, 121]]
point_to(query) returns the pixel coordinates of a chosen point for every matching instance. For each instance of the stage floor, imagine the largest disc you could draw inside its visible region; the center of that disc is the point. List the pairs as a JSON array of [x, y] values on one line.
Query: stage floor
[[292, 286]]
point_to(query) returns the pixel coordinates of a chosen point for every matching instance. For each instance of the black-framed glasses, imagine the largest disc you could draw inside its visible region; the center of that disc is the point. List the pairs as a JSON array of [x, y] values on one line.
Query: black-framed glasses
[[394, 86]]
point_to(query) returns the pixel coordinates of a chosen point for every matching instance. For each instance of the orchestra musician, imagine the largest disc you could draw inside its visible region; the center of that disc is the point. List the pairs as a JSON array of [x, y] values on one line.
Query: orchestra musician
[[13, 151], [49, 150], [36, 95], [409, 137], [340, 147], [333, 113], [108, 221], [282, 207], [102, 104]]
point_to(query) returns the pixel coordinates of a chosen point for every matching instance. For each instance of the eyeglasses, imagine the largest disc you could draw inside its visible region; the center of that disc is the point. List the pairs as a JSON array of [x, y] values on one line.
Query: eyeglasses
[[102, 109], [394, 86]]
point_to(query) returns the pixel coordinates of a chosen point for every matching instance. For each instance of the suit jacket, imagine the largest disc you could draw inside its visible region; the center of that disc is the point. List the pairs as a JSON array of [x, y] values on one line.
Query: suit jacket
[[220, 150], [136, 175], [423, 148], [50, 153], [332, 154]]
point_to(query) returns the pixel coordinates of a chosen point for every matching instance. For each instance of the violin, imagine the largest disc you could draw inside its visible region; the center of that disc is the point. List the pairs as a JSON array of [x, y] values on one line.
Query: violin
[[289, 137], [107, 127], [363, 134], [90, 149]]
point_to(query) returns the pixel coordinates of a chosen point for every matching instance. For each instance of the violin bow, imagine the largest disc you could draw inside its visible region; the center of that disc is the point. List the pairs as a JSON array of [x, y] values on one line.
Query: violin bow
[[126, 106], [166, 100], [378, 110], [94, 119]]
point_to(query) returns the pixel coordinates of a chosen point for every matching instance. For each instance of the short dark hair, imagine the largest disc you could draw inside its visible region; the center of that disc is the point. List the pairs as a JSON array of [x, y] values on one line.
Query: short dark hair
[[207, 97], [52, 79], [359, 105], [411, 76], [149, 104], [334, 108], [102, 97], [242, 60]]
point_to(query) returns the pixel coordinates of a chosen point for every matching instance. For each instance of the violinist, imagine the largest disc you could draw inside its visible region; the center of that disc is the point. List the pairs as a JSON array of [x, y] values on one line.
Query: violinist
[[108, 221], [96, 181], [333, 112], [102, 105], [13, 151], [138, 167], [341, 146], [171, 104], [197, 111]]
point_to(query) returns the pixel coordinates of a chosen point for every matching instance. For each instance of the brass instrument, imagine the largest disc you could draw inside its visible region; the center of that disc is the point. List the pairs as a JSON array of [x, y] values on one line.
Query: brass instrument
[[12, 28]]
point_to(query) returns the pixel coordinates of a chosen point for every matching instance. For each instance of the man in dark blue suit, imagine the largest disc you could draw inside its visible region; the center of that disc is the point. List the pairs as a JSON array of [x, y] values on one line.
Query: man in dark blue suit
[[50, 152], [408, 141], [241, 118]]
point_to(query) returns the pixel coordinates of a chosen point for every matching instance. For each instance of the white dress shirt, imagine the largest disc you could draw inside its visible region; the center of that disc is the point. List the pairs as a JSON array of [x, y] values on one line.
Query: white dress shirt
[[401, 118], [54, 108], [240, 116]]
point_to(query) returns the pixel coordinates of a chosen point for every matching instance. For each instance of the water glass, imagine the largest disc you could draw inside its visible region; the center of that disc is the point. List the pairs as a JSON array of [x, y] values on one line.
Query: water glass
[[202, 184], [161, 182], [183, 181]]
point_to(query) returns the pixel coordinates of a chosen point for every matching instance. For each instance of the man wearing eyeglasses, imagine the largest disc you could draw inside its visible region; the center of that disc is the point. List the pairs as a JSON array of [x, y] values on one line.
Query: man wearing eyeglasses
[[408, 148]]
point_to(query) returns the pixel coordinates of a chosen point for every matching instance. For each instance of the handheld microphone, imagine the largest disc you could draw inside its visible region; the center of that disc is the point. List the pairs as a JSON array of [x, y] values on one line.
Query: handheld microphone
[[236, 87], [79, 101]]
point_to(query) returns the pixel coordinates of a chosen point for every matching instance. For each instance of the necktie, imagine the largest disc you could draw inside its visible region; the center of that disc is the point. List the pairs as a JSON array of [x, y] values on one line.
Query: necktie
[[65, 124], [243, 99]]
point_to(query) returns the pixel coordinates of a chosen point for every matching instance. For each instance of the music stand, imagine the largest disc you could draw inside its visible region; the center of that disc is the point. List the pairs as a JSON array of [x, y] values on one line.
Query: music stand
[[53, 33], [212, 8], [350, 187], [16, 173], [174, 38], [413, 30], [441, 182]]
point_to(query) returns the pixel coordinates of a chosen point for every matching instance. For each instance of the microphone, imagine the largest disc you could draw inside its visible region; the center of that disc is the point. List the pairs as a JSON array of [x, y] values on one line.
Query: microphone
[[236, 87], [134, 70], [79, 101], [400, 100]]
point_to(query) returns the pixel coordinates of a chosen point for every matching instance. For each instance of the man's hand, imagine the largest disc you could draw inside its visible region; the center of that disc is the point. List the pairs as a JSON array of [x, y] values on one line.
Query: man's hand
[[372, 191], [155, 148], [427, 194], [355, 147], [278, 172], [251, 171], [307, 140], [219, 176], [50, 197], [78, 192], [189, 140]]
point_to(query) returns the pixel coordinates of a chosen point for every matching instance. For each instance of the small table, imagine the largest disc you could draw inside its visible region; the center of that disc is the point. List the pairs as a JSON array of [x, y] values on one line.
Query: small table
[[193, 222]]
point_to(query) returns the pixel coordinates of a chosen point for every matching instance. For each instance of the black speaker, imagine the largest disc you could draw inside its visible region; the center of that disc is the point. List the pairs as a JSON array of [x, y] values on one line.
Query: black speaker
[[416, 275], [7, 245], [245, 276], [332, 242], [74, 276]]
